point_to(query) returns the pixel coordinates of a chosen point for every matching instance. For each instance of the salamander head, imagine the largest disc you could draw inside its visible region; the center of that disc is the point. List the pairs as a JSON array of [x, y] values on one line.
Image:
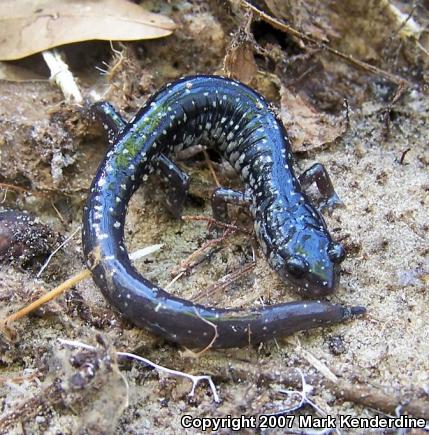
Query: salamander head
[[310, 260]]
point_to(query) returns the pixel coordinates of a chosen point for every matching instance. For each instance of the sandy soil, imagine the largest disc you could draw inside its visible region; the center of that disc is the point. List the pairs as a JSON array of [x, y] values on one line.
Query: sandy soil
[[54, 149]]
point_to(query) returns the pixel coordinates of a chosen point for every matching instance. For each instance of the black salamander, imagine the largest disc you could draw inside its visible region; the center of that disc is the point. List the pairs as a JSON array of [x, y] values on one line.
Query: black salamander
[[292, 233]]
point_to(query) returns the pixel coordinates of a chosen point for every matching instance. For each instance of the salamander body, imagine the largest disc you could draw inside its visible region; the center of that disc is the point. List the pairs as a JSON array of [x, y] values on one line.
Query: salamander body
[[292, 233]]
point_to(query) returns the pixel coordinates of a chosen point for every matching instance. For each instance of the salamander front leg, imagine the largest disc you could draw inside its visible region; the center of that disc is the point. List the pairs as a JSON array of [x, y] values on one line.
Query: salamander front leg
[[329, 198], [110, 118], [222, 196], [177, 182]]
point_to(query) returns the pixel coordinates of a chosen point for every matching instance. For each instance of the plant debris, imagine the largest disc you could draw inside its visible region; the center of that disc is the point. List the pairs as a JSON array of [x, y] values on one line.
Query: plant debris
[[28, 27]]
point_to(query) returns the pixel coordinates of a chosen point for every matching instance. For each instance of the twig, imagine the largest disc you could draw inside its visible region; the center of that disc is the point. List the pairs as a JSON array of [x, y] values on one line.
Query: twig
[[20, 189], [55, 251], [312, 360], [60, 216], [212, 171], [20, 378], [84, 274], [425, 51], [370, 397], [189, 262], [194, 379], [214, 222], [409, 19], [404, 153], [62, 76], [225, 281], [279, 25], [4, 197], [66, 285], [365, 395]]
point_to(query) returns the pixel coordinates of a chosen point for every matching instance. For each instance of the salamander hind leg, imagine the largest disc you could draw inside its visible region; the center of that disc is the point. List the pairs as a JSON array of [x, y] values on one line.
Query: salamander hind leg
[[222, 196], [318, 174], [177, 184]]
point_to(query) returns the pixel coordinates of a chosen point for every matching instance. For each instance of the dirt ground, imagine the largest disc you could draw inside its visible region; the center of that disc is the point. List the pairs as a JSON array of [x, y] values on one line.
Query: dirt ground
[[378, 164]]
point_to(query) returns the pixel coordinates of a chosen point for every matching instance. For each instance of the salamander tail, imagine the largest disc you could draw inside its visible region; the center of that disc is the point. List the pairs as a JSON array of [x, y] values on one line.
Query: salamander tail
[[353, 312]]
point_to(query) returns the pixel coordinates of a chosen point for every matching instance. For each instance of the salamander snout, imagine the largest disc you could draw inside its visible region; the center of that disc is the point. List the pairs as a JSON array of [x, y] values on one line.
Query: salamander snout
[[312, 264]]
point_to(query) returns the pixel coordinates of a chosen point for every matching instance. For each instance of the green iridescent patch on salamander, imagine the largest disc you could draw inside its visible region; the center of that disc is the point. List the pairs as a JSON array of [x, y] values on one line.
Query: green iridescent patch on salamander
[[133, 142]]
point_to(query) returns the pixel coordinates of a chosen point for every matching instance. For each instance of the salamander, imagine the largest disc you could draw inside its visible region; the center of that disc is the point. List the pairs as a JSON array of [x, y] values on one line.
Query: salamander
[[240, 124]]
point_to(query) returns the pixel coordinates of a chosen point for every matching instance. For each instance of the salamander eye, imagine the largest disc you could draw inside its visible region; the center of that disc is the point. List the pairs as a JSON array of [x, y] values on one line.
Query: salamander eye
[[336, 252], [297, 266]]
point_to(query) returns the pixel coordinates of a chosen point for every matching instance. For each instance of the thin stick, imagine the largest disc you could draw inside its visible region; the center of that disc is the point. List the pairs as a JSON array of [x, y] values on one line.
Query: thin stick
[[84, 274], [363, 394], [426, 52], [176, 278], [55, 251], [20, 189], [20, 378], [312, 360], [225, 281], [194, 379], [58, 214], [404, 153], [277, 24], [209, 164], [186, 264], [66, 285], [212, 221]]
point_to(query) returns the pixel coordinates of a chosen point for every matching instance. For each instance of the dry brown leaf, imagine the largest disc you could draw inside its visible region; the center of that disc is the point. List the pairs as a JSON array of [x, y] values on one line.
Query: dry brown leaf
[[304, 16], [28, 27], [307, 127], [240, 63]]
